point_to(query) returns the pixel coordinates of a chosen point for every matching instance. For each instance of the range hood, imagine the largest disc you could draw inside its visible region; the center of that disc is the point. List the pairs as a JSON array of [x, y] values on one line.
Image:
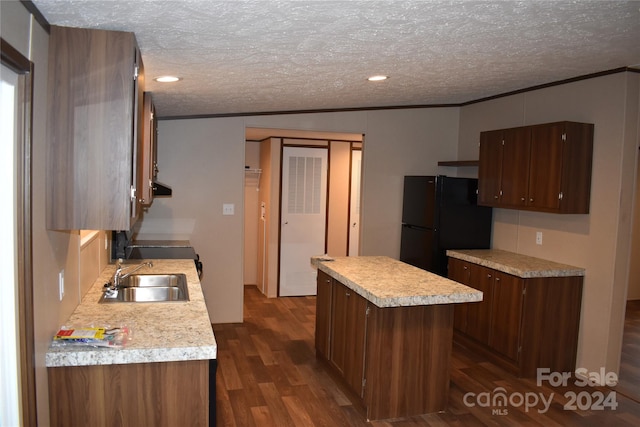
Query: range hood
[[161, 189]]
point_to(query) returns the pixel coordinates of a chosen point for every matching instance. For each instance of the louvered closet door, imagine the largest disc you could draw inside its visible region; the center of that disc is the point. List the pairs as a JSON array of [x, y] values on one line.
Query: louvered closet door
[[303, 215]]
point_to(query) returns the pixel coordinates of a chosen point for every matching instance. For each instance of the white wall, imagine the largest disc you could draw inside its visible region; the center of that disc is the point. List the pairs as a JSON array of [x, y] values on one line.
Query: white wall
[[599, 241]]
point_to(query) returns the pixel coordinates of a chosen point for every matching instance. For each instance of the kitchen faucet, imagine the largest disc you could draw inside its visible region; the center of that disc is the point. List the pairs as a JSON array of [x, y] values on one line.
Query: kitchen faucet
[[118, 275]]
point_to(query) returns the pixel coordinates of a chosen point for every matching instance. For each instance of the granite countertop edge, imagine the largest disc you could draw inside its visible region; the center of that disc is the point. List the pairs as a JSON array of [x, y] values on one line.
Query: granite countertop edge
[[88, 357], [469, 294], [519, 265]]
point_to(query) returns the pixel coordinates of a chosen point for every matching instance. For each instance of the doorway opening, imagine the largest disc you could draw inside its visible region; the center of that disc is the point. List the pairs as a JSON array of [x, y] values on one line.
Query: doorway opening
[[264, 168]]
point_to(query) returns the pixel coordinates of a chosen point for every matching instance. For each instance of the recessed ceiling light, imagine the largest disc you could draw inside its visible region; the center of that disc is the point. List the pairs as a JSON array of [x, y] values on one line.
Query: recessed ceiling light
[[167, 79], [378, 78]]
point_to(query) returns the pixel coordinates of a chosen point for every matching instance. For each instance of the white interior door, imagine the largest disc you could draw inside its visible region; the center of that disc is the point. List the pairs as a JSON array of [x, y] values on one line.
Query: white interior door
[[354, 210], [303, 213]]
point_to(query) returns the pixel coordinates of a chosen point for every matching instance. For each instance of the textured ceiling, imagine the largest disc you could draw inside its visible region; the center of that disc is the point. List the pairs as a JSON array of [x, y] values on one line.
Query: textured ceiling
[[274, 55]]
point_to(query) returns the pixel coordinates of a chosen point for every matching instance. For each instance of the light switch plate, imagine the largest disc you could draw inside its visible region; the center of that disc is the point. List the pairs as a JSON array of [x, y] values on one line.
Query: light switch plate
[[538, 237], [228, 209]]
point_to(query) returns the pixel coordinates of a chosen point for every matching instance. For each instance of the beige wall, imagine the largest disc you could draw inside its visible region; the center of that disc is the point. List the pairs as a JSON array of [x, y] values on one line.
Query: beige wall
[[599, 241], [202, 160], [398, 143]]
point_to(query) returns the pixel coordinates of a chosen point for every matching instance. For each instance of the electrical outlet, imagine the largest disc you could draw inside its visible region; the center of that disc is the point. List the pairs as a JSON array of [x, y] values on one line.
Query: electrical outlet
[[228, 209], [61, 284], [538, 237]]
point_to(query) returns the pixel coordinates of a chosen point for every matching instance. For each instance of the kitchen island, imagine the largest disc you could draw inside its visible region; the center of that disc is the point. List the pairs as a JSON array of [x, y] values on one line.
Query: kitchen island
[[385, 330], [161, 377]]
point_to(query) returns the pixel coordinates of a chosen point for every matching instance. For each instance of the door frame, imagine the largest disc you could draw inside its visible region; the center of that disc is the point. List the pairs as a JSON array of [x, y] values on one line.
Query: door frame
[[13, 59]]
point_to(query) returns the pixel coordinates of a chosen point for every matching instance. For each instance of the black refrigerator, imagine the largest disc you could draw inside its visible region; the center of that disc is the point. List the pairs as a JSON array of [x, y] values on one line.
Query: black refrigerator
[[440, 213]]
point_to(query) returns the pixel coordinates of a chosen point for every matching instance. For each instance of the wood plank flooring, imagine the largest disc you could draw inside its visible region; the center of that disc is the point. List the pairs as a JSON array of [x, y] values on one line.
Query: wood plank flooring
[[268, 375]]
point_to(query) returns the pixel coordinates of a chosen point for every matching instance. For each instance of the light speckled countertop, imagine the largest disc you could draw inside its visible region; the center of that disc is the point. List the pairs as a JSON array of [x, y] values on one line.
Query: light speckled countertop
[[516, 264], [387, 282], [162, 331]]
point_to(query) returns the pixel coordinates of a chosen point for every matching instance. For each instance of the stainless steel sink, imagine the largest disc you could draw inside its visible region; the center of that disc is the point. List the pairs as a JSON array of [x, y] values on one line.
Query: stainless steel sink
[[149, 288]]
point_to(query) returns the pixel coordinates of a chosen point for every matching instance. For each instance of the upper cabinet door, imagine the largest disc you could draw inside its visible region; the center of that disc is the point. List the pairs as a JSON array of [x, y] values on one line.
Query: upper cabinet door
[[515, 167], [490, 168], [92, 129], [545, 167]]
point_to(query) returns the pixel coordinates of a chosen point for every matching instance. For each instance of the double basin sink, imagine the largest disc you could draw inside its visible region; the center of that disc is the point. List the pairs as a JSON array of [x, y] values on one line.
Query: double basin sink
[[149, 288]]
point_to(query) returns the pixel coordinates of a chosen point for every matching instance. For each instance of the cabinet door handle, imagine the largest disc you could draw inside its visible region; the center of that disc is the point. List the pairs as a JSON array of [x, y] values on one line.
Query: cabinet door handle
[[488, 276], [522, 199], [495, 197], [531, 200], [328, 280], [347, 294]]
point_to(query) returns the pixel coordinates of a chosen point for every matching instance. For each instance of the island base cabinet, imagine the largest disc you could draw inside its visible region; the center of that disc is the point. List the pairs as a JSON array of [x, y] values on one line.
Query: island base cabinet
[[143, 394], [392, 362], [408, 360]]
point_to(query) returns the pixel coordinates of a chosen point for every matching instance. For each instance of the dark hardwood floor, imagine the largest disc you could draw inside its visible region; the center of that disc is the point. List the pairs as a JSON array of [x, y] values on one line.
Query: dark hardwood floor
[[268, 375], [629, 383]]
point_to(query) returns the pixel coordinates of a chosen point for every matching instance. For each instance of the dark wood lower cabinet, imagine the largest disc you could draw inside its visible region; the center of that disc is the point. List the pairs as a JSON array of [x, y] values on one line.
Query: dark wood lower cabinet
[[323, 313], [394, 361], [506, 314], [522, 323], [479, 314], [408, 360], [143, 394], [349, 317]]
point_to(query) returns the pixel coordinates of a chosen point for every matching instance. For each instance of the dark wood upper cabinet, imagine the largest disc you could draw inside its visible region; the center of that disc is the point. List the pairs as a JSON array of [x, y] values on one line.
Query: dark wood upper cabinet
[[490, 172], [95, 95], [544, 167], [515, 167]]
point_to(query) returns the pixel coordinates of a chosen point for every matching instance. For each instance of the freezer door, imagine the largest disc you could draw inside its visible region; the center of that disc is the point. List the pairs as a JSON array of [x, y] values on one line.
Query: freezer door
[[462, 224], [419, 201], [417, 247]]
